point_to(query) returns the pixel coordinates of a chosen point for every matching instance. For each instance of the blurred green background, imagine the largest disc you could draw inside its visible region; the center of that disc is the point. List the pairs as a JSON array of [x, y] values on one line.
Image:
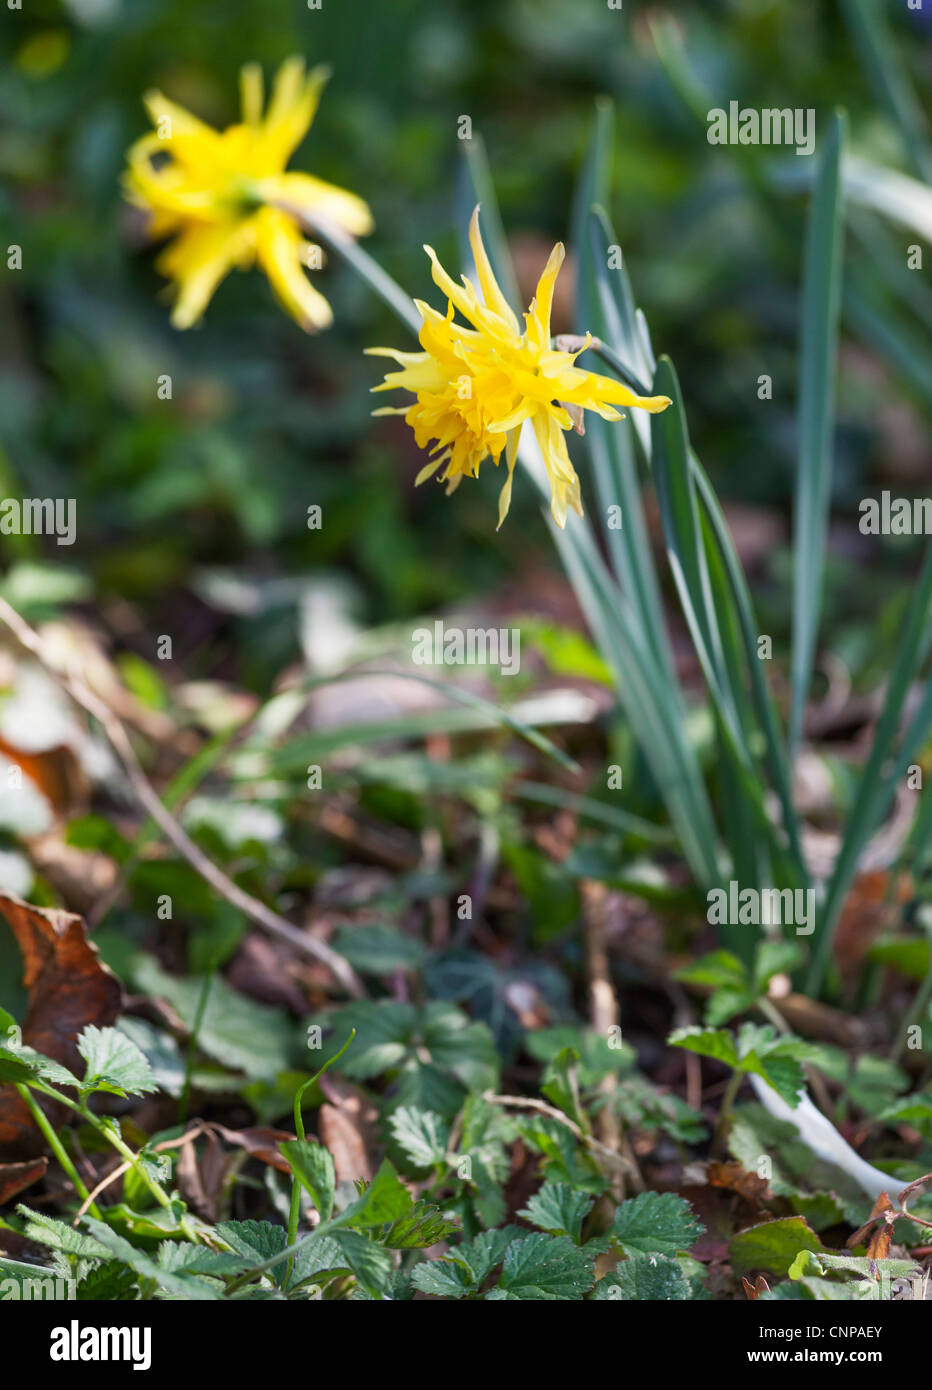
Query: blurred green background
[[265, 421]]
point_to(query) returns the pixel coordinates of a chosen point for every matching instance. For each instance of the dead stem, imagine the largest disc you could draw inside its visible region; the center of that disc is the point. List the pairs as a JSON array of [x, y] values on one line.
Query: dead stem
[[257, 911], [604, 1017], [617, 1162]]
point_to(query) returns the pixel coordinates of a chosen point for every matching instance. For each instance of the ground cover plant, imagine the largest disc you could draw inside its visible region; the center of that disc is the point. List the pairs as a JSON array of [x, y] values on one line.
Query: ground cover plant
[[539, 912]]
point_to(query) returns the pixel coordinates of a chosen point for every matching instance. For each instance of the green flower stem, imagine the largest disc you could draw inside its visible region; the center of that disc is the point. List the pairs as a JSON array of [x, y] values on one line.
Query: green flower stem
[[724, 1114], [55, 1144], [201, 1009], [388, 290], [294, 1210], [108, 1133], [161, 1196]]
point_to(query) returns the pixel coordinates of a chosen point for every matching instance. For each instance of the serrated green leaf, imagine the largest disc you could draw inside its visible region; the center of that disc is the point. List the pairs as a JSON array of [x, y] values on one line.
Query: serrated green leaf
[[425, 1225], [60, 1235], [114, 1063], [13, 1068], [644, 1277], [385, 1200], [559, 1210], [543, 1267], [256, 1241], [707, 1042], [312, 1165], [423, 1134], [461, 1272], [718, 969], [112, 1282], [656, 1223], [37, 1283], [191, 1286], [444, 1279]]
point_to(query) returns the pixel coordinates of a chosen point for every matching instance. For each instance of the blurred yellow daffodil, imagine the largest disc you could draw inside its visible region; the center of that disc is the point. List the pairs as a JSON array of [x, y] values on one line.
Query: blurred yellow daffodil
[[476, 386], [225, 198]]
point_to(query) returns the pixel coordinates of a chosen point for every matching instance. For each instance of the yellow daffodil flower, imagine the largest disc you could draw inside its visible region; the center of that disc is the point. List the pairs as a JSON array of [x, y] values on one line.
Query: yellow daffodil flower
[[226, 199], [477, 386]]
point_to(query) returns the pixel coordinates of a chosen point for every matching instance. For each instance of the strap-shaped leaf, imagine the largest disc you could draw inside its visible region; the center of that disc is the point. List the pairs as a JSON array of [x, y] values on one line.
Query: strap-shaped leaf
[[821, 307]]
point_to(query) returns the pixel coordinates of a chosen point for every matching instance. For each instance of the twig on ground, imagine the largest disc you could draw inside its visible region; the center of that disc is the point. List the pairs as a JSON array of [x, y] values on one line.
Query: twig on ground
[[257, 911], [612, 1160], [604, 1016]]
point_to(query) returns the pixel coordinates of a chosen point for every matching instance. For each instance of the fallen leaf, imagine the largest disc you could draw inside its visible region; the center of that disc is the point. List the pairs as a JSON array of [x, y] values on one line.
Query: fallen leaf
[[15, 1177], [754, 1291], [55, 771], [871, 907], [264, 970], [346, 1126], [68, 987], [202, 1176], [732, 1176], [81, 877], [261, 1141], [878, 1247]]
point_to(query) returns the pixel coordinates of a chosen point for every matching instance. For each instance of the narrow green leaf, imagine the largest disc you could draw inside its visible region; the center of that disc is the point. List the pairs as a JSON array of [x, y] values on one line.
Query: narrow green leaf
[[821, 305], [875, 787], [890, 80]]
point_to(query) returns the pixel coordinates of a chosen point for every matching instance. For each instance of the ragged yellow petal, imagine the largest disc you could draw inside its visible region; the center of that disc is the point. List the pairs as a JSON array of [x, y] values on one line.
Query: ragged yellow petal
[[511, 455], [491, 291], [564, 483], [251, 93], [194, 181], [463, 297], [475, 387], [172, 120], [292, 108], [543, 298], [280, 249], [310, 198], [198, 260], [605, 388]]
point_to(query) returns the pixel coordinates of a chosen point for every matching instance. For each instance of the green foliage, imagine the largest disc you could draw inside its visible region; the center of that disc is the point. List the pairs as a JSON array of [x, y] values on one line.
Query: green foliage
[[313, 1167], [114, 1063], [772, 1246], [655, 1223], [654, 1278], [757, 1049], [559, 1210], [195, 496], [736, 989], [433, 1052]]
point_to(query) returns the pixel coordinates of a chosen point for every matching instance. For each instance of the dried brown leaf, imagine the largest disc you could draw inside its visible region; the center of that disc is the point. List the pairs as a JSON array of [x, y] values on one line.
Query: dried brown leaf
[[68, 987], [16, 1177]]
